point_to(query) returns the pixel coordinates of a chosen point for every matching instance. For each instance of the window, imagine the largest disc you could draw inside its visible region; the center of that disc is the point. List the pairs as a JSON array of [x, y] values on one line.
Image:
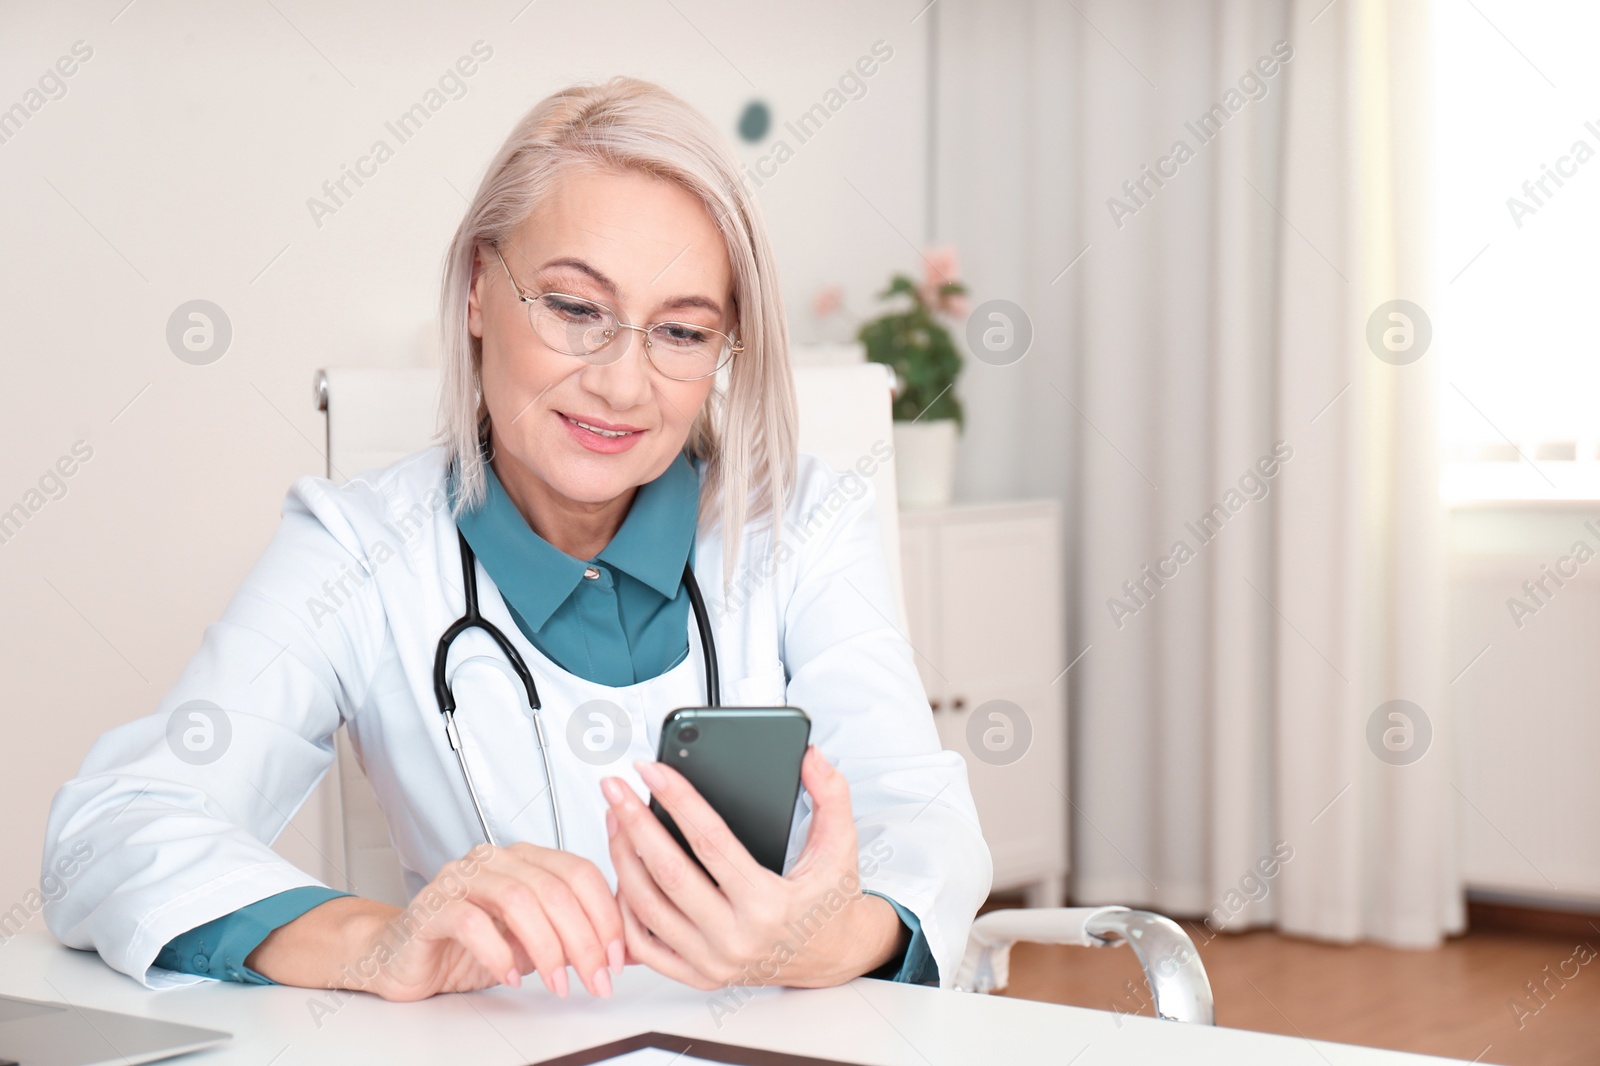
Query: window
[[1516, 247]]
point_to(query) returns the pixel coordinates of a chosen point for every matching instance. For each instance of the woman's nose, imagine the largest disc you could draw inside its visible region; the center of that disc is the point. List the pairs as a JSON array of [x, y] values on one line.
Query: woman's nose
[[623, 379]]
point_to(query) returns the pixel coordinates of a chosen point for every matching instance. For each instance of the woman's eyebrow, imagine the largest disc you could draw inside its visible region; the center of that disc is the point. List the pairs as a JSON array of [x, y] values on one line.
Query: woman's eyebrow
[[599, 278], [581, 267]]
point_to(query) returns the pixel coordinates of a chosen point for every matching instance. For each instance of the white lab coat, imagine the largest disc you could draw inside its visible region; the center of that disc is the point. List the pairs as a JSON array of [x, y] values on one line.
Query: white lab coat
[[338, 624]]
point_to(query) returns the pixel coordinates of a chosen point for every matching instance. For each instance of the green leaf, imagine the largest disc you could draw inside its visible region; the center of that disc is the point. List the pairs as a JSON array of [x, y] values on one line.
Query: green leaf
[[900, 285], [917, 345]]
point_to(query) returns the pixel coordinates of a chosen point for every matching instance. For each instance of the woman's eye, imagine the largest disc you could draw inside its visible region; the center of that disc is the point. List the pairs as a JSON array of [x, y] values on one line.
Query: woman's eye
[[683, 334], [572, 310]]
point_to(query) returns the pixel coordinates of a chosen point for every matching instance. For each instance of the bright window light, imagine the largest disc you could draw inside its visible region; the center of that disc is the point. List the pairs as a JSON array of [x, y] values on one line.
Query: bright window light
[[1516, 181]]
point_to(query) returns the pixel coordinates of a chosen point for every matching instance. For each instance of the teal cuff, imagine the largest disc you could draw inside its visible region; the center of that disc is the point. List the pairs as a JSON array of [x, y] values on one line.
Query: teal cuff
[[219, 947], [918, 967]]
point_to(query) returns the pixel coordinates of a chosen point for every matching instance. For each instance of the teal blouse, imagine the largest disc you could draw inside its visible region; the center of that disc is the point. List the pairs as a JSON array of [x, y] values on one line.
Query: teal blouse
[[626, 623]]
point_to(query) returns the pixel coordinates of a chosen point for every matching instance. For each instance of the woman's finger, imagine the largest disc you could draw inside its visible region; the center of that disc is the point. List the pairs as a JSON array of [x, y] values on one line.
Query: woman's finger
[[722, 854], [646, 948], [523, 963], [594, 894], [465, 924], [509, 898], [670, 868], [579, 942], [831, 837], [580, 908], [637, 889]]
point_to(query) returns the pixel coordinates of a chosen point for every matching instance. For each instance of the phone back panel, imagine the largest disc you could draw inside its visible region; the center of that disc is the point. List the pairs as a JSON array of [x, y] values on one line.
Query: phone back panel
[[745, 761]]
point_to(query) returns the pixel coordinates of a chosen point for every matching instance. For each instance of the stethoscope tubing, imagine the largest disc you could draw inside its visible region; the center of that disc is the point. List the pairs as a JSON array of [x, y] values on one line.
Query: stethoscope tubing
[[472, 618]]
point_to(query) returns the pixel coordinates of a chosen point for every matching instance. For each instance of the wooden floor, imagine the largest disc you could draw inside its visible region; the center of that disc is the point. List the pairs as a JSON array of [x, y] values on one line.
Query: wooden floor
[[1453, 1001]]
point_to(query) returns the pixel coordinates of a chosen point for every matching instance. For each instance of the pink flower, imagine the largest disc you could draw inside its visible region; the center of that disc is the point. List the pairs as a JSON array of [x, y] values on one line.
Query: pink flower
[[940, 268], [827, 301]]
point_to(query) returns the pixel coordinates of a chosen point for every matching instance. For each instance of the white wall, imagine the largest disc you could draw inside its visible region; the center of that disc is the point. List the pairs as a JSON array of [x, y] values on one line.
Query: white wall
[[177, 166], [1006, 196]]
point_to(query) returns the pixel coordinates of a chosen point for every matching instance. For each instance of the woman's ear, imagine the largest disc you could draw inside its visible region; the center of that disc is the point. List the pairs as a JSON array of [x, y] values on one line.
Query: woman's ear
[[480, 278]]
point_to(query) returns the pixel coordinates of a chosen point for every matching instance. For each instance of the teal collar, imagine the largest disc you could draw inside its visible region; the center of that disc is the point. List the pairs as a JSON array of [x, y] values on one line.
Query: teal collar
[[653, 545], [656, 540]]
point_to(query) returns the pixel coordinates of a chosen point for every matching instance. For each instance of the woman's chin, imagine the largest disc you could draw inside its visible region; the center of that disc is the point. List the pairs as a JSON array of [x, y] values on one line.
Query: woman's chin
[[589, 477]]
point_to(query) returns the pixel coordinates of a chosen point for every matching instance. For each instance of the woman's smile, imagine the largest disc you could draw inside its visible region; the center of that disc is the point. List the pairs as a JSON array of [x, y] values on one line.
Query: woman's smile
[[598, 436]]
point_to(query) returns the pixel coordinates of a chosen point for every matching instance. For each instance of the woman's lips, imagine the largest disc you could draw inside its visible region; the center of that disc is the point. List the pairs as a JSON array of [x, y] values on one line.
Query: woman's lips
[[600, 442], [600, 423]]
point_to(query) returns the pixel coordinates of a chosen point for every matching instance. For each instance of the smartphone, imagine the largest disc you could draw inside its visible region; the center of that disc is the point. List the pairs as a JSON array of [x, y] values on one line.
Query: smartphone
[[745, 761]]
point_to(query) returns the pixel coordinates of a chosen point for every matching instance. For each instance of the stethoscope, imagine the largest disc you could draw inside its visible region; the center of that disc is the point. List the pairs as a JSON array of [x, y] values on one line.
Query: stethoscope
[[472, 619]]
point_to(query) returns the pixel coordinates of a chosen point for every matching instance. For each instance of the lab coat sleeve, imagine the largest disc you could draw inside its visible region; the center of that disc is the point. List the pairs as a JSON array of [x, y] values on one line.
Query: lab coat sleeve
[[173, 814], [851, 669]]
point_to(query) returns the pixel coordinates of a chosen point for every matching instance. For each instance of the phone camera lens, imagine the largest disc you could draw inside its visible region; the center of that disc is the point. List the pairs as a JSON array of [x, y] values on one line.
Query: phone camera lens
[[688, 734]]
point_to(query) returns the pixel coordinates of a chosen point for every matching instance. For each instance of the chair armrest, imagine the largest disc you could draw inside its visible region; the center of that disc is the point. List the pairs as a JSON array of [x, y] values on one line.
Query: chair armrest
[[1171, 963]]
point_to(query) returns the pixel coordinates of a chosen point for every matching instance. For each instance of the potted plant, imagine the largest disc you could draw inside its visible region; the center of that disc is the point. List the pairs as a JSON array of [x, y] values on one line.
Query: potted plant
[[915, 343]]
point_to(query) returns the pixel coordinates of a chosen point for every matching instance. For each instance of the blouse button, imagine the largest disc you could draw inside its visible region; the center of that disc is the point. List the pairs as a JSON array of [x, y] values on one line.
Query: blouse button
[[591, 572], [201, 962]]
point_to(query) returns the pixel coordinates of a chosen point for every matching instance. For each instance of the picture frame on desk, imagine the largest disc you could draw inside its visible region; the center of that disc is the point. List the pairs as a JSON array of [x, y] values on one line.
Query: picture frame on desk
[[681, 1046]]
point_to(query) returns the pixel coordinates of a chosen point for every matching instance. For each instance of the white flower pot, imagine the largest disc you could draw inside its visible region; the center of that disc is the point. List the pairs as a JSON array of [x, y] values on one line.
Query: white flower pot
[[925, 461]]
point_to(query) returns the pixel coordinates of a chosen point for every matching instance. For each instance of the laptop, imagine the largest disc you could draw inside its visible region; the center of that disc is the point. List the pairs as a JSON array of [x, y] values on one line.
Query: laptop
[[54, 1034]]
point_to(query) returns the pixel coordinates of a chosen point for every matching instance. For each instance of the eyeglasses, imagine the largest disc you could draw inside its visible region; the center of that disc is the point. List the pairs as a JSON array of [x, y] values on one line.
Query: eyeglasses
[[682, 351]]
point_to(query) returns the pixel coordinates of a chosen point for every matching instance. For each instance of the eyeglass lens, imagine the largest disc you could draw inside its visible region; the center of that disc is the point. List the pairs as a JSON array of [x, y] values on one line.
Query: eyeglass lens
[[579, 327]]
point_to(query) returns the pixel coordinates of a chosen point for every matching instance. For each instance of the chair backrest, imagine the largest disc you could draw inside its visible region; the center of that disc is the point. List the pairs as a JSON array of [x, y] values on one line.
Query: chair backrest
[[376, 416]]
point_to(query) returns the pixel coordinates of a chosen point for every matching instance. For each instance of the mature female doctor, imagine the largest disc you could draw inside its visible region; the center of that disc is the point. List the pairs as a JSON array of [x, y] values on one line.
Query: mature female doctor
[[619, 430]]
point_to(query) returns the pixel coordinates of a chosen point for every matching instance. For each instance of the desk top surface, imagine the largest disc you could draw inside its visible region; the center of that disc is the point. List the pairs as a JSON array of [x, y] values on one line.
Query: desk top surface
[[870, 1022]]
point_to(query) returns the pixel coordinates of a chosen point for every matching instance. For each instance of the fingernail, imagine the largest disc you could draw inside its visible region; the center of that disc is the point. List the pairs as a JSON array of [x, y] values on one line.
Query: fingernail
[[614, 955], [611, 822], [513, 978], [822, 761], [602, 983], [560, 979], [612, 788], [651, 774]]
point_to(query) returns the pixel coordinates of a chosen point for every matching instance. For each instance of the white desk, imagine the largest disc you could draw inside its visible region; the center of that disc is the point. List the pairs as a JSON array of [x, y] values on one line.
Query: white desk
[[872, 1022]]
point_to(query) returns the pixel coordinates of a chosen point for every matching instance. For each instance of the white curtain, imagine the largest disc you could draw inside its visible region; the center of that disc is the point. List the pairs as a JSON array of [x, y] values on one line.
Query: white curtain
[[1201, 350]]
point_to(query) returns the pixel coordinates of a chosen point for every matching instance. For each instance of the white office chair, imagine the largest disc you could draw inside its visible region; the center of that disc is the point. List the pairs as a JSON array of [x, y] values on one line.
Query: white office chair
[[383, 414]]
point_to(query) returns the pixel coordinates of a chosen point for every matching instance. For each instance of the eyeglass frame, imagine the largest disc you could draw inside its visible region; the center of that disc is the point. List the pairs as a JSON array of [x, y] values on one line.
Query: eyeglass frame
[[735, 348]]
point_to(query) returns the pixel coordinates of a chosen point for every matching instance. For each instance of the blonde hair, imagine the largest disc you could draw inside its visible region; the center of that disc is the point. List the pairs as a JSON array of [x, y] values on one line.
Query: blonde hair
[[745, 435]]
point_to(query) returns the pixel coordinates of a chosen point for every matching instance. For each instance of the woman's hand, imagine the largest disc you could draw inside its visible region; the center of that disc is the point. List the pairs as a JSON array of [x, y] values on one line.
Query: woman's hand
[[485, 919], [812, 927]]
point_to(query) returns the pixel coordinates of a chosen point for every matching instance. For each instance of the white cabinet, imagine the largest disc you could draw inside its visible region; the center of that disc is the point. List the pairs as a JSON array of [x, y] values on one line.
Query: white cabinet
[[1524, 621], [985, 615]]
